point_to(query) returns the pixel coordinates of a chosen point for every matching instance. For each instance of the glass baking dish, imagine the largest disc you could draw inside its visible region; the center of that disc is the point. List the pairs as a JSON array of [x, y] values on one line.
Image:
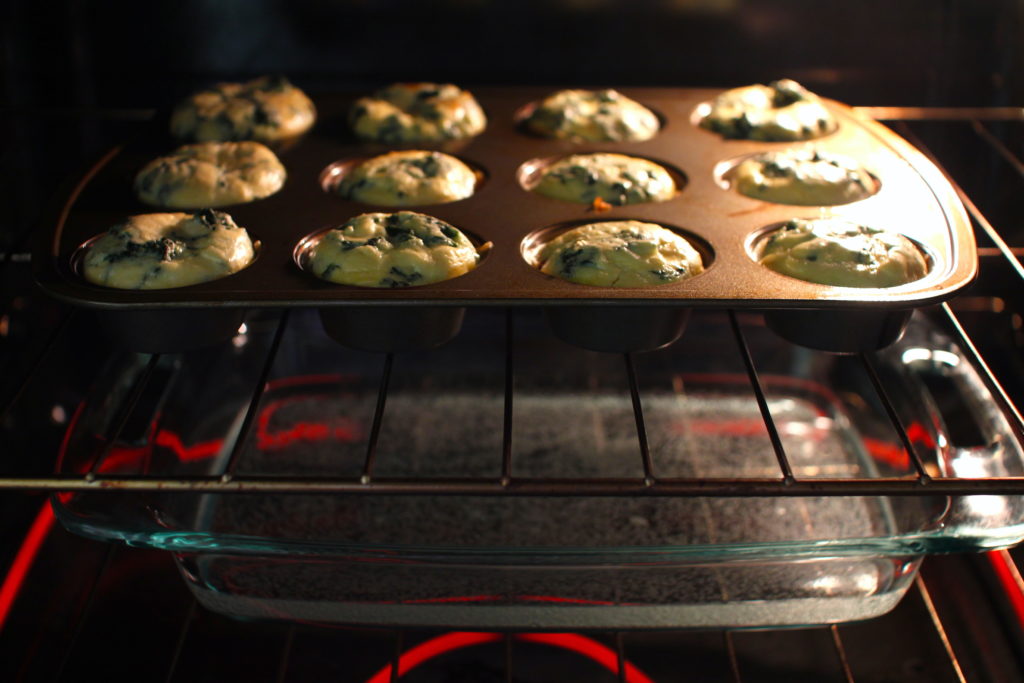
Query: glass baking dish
[[557, 562]]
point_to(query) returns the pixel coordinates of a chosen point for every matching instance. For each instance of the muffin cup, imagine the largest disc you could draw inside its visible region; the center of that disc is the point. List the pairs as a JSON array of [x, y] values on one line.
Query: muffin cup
[[169, 330], [387, 329], [384, 329], [334, 173], [618, 329], [839, 331]]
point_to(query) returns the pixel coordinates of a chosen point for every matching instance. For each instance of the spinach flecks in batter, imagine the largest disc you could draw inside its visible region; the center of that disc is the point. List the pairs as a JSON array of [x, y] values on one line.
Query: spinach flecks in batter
[[786, 93], [329, 270], [428, 111], [212, 219], [437, 241], [145, 183], [449, 231], [398, 235], [773, 169], [164, 249], [227, 126], [262, 117], [429, 165], [576, 258], [391, 129], [742, 127], [400, 278], [642, 247], [669, 273]]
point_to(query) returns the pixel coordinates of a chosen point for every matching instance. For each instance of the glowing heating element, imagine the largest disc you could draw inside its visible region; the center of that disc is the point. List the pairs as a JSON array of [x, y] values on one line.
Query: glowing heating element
[[457, 640]]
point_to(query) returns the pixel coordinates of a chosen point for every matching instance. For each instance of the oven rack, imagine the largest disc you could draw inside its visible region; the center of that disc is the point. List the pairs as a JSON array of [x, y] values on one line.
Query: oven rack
[[921, 483], [786, 484]]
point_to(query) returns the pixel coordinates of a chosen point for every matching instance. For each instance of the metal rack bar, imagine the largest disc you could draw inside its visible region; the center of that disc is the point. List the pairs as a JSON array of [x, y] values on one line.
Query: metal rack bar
[[943, 113], [990, 231], [506, 433], [734, 664], [396, 656], [35, 364], [844, 663], [507, 638], [987, 377], [726, 487], [254, 401], [1000, 148], [620, 657], [973, 210], [378, 417], [286, 651], [939, 628], [638, 416], [179, 644], [922, 474], [762, 402], [124, 412], [86, 610]]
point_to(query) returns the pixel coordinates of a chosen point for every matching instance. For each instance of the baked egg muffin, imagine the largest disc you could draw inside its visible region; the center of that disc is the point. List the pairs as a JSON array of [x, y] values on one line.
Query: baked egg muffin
[[166, 250], [803, 177], [593, 116], [417, 112], [620, 254], [780, 111], [613, 178], [210, 175], [842, 254], [401, 249], [266, 109], [408, 178]]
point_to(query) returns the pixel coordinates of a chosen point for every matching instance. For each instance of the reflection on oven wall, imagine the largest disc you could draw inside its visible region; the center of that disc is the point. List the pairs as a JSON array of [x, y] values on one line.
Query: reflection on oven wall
[[133, 54]]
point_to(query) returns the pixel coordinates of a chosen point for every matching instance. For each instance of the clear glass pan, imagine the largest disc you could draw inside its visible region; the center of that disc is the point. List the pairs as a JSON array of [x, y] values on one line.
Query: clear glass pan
[[548, 562]]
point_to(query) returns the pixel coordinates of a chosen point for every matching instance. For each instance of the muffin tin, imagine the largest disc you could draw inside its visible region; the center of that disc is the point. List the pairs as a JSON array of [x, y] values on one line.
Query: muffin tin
[[914, 199]]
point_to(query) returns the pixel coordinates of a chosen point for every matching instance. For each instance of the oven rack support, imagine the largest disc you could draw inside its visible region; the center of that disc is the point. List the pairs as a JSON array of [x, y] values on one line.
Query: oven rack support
[[786, 483]]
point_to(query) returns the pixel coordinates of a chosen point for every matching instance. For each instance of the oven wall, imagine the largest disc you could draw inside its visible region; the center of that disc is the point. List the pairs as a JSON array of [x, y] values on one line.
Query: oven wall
[[141, 54]]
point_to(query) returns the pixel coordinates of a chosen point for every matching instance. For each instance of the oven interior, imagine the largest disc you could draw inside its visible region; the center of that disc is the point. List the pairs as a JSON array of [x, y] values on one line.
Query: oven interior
[[944, 76]]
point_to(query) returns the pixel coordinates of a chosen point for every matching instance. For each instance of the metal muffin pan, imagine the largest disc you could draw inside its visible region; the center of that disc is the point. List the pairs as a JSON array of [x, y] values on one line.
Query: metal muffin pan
[[914, 199]]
